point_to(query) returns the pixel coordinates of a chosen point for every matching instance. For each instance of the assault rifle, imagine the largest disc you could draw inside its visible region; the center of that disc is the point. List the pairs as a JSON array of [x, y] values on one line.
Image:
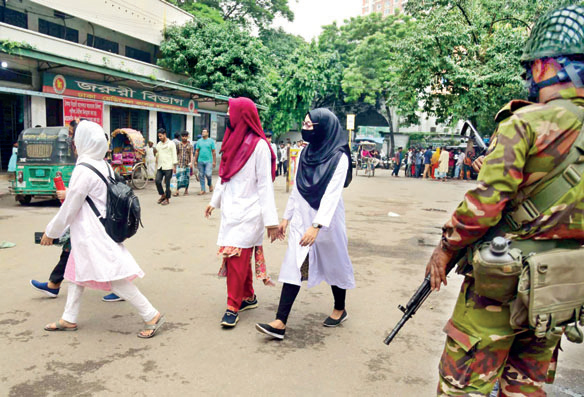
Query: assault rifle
[[470, 132], [418, 299]]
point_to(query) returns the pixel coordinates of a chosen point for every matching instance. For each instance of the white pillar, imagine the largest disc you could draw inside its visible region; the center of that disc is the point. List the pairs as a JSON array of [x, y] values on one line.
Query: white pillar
[[152, 123], [106, 119], [38, 111], [189, 126]]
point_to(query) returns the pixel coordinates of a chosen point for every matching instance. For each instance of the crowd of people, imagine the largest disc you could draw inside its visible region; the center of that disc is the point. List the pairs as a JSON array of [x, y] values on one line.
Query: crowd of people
[[441, 163]]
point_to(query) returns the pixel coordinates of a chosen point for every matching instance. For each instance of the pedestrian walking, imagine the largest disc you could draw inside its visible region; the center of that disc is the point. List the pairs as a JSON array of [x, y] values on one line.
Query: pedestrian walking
[[435, 162], [13, 159], [317, 243], [467, 165], [274, 149], [428, 162], [451, 163], [166, 160], [150, 160], [398, 161], [96, 261], [205, 160], [284, 157], [185, 160], [459, 164], [419, 163], [245, 194], [522, 194], [443, 161]]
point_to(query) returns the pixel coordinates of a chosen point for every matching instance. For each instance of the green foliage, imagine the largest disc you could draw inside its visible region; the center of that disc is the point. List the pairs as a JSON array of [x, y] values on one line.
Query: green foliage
[[281, 45], [462, 60], [12, 47], [300, 83], [259, 13], [200, 10], [219, 58]]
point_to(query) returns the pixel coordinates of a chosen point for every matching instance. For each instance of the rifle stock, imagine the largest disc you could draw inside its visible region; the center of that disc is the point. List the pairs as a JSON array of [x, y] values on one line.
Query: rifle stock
[[418, 299]]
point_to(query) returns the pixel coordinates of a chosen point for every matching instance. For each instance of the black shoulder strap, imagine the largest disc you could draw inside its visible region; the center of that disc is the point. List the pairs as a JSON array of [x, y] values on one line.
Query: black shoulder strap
[[92, 168], [89, 200]]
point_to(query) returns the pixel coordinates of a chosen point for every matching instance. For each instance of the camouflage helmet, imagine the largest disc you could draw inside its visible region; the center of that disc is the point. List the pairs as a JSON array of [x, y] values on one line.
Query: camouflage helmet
[[560, 32]]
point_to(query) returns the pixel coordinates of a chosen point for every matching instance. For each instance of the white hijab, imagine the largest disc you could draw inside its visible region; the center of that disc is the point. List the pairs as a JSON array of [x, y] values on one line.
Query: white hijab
[[90, 141]]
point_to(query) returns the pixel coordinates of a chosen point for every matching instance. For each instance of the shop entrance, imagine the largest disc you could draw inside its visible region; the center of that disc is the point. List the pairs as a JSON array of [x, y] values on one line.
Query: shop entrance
[[11, 125], [173, 123], [136, 119]]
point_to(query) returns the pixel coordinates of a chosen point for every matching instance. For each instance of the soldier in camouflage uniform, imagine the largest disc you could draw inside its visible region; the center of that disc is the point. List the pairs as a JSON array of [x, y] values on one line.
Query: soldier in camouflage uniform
[[531, 139]]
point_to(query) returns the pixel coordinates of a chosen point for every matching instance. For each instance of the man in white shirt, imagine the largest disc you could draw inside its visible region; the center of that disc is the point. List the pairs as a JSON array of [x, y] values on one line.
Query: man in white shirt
[[274, 148], [166, 161]]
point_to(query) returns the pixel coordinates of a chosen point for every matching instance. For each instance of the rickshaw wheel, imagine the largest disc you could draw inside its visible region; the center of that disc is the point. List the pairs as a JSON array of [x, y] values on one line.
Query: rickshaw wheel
[[139, 176], [24, 200]]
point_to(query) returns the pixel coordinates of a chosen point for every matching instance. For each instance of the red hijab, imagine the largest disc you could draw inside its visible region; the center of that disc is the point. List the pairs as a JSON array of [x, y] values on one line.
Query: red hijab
[[242, 138]]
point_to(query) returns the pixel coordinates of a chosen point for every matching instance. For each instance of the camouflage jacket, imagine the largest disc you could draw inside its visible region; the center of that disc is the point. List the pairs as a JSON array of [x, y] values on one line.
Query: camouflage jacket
[[530, 141]]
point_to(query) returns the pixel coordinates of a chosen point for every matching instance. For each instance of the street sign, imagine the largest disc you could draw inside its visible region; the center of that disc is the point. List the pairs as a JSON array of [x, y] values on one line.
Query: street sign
[[350, 122]]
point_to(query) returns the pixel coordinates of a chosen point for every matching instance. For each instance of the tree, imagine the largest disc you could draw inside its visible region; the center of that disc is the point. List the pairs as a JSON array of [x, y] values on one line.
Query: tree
[[199, 10], [462, 60], [281, 45], [259, 13], [218, 57], [372, 74], [300, 85]]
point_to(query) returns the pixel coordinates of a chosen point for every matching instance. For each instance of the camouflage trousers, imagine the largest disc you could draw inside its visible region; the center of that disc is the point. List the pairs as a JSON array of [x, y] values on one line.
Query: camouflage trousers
[[481, 348]]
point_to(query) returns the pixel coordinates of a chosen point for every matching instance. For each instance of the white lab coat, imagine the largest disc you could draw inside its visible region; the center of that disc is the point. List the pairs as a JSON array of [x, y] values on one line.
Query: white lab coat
[[97, 257], [328, 258], [247, 202]]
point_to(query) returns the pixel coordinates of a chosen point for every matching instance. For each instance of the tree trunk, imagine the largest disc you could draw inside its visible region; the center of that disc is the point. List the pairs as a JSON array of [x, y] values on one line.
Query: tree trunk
[[389, 118]]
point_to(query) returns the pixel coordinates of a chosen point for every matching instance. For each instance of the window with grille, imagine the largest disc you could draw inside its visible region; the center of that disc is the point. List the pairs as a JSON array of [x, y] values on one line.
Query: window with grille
[[14, 18], [103, 44], [135, 53], [57, 30]]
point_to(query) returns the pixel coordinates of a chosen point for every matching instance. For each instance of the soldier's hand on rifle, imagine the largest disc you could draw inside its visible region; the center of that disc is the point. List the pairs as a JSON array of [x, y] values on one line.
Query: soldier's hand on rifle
[[478, 163], [437, 266]]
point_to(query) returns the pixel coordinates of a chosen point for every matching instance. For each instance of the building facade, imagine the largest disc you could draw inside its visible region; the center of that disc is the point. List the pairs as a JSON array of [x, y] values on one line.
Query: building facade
[[384, 7], [63, 59]]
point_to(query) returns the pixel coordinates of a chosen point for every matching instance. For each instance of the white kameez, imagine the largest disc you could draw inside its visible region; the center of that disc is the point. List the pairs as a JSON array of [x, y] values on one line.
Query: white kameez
[[328, 258], [150, 162], [97, 258], [247, 202]]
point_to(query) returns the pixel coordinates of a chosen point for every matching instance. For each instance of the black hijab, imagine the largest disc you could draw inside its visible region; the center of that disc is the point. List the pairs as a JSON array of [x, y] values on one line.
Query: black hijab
[[319, 160]]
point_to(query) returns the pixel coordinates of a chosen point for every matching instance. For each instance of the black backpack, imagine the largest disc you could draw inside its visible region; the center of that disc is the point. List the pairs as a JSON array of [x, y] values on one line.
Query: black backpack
[[122, 215]]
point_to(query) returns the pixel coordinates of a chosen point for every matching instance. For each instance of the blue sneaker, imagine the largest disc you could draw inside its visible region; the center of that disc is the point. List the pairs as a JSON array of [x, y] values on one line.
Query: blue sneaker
[[230, 319], [112, 298], [43, 287], [249, 304]]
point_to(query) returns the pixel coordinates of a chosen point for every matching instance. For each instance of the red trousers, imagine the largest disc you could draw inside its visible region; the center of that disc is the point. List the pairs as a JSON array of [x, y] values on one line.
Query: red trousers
[[239, 279]]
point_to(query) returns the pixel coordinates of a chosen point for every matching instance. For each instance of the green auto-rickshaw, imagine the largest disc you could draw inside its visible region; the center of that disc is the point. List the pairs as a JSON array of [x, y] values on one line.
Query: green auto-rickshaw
[[43, 154]]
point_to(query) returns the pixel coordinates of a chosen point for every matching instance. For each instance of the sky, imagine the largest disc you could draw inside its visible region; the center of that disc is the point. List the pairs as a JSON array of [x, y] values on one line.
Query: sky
[[310, 15]]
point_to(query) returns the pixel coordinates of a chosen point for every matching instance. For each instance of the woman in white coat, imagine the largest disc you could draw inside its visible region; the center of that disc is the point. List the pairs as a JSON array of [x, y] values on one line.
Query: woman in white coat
[[245, 195], [96, 261], [317, 243]]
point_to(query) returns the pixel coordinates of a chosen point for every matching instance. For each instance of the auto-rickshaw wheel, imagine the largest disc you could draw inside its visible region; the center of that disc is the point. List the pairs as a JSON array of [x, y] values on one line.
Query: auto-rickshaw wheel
[[139, 176], [24, 199]]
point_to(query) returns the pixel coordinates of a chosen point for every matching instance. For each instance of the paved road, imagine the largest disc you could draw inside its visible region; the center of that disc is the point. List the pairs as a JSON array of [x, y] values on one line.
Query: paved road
[[193, 355]]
